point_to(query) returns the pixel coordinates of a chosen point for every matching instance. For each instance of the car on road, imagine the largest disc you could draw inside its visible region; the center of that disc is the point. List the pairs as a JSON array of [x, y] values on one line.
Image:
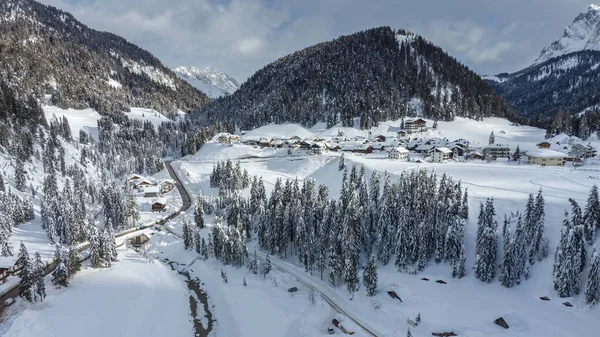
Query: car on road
[[9, 301]]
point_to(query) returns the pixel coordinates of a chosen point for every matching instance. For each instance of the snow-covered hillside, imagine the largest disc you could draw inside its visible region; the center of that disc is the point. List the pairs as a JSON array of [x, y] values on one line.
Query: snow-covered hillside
[[210, 81], [582, 34], [134, 298]]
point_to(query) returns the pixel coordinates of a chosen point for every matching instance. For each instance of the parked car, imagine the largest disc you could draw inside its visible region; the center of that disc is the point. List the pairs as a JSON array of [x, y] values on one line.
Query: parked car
[[293, 289], [9, 301]]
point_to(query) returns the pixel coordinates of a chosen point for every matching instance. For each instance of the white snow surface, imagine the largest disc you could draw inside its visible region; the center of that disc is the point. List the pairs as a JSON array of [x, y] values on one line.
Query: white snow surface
[[282, 131], [86, 119], [582, 34], [210, 81], [466, 306], [132, 298]]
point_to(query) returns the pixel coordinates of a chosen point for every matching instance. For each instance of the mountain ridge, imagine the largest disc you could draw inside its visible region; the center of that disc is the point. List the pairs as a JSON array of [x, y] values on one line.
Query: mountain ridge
[[376, 74], [208, 80], [47, 53], [565, 76]]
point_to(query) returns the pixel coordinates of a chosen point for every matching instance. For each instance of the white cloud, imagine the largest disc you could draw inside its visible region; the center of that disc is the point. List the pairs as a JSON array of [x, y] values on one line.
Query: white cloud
[[241, 36]]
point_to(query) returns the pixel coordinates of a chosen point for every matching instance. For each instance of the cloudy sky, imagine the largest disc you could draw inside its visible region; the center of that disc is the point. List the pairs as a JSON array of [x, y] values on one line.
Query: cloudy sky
[[241, 36]]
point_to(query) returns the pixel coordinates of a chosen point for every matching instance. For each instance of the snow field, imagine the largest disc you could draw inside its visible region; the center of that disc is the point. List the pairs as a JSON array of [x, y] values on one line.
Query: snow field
[[466, 306], [132, 298]]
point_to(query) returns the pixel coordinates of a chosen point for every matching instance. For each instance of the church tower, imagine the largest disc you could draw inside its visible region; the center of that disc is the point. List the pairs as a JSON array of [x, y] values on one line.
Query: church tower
[[492, 138]]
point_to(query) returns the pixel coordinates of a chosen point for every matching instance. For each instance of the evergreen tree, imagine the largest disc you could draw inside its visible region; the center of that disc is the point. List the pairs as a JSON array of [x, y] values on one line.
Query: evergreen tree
[[2, 188], [204, 250], [370, 277], [109, 245], [539, 247], [188, 239], [460, 268], [60, 275], [73, 264], [592, 285], [96, 249], [487, 244], [5, 245], [20, 178], [132, 213], [408, 333], [26, 286], [516, 156], [265, 266], [342, 163], [198, 242], [199, 212], [464, 209], [38, 278], [591, 215]]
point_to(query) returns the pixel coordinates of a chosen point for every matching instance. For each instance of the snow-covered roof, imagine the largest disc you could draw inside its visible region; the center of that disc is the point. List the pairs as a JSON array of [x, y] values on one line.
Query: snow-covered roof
[[160, 201], [224, 135], [546, 153], [400, 149], [152, 189], [424, 147], [142, 181], [7, 261], [443, 150], [497, 146]]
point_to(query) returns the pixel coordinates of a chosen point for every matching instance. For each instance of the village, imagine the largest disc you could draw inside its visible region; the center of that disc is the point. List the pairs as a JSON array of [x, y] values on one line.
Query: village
[[150, 193], [412, 141]]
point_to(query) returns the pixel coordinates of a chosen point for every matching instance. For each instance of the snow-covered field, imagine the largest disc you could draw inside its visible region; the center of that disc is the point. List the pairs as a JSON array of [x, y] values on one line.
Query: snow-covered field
[[466, 306], [132, 298]]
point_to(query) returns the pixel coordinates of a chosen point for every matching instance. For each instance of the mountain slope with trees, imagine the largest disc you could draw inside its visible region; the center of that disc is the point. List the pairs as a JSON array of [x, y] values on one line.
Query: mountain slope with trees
[[47, 53], [564, 78], [377, 74]]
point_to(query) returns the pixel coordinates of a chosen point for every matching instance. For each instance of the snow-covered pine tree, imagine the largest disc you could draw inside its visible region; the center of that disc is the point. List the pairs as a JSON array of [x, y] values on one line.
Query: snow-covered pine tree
[[538, 250], [197, 242], [5, 245], [385, 222], [485, 261], [265, 266], [60, 275], [96, 257], [370, 277], [342, 163], [210, 245], [20, 175], [460, 268], [26, 286], [109, 245], [516, 156], [199, 212], [204, 250], [592, 284], [507, 265], [351, 242], [38, 278], [73, 264], [132, 213], [188, 238], [464, 206], [2, 188], [519, 250], [591, 215]]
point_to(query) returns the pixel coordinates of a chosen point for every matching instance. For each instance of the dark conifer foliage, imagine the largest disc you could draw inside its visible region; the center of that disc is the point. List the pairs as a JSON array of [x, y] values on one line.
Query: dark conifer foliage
[[372, 74], [75, 63]]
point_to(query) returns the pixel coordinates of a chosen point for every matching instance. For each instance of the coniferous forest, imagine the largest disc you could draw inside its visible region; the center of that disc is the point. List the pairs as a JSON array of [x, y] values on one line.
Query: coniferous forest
[[376, 74]]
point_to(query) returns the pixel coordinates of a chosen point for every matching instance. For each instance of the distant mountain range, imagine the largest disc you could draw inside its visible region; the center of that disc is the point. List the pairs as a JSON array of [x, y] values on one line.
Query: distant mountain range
[[564, 77], [377, 74], [208, 80], [47, 53]]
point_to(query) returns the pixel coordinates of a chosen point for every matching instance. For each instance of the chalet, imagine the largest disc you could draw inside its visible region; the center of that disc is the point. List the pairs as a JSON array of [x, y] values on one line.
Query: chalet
[[546, 157], [305, 145], [398, 153], [543, 145], [226, 138], [134, 177], [333, 146], [7, 267], [141, 184], [494, 151], [425, 148], [159, 205], [151, 192], [401, 133], [166, 185], [318, 147], [415, 125], [456, 149], [475, 155], [358, 148], [441, 154], [278, 143], [265, 142], [293, 143]]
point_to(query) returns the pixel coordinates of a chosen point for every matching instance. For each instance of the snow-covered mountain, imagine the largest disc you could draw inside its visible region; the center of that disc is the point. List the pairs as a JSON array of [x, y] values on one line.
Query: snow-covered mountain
[[210, 81], [48, 54], [564, 77], [582, 34]]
